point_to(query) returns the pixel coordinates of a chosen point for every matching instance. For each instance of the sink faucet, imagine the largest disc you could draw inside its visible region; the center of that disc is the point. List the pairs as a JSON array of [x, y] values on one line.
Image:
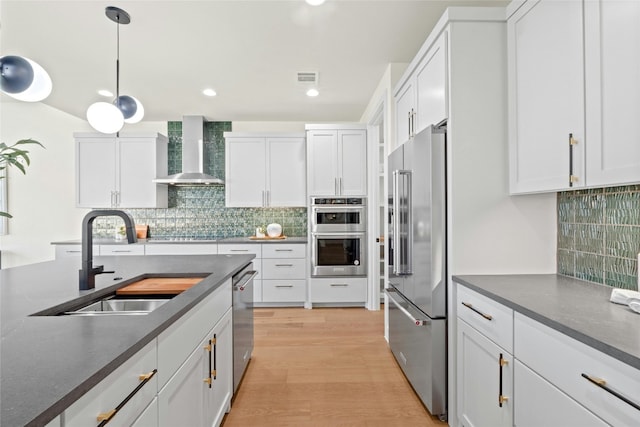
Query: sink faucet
[[88, 272]]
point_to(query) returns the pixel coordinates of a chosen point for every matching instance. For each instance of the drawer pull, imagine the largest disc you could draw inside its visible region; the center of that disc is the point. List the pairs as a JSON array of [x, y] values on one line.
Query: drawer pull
[[501, 397], [603, 385], [120, 251], [284, 250], [475, 310], [239, 250], [339, 285], [284, 286], [105, 417], [284, 265]]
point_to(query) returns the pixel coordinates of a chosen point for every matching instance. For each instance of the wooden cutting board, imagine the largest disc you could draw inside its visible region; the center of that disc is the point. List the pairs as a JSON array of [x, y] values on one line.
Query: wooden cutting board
[[159, 286]]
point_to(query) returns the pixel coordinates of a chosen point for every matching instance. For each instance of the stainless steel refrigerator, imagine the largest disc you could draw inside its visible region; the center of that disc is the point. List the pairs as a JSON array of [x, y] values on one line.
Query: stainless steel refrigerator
[[417, 287]]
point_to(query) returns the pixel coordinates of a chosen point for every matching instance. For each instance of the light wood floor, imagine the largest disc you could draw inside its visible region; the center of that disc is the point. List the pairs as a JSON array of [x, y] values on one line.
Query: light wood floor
[[324, 367]]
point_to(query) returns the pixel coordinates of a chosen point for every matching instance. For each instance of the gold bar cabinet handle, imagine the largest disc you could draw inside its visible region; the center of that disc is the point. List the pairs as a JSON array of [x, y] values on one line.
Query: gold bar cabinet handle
[[106, 416]]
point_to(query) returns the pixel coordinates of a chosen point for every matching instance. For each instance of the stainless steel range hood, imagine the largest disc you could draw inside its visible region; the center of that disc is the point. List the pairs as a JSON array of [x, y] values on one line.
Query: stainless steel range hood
[[192, 156]]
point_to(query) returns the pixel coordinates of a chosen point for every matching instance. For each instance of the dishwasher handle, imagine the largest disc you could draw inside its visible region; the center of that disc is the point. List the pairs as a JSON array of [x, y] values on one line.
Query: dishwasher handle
[[416, 321], [240, 286]]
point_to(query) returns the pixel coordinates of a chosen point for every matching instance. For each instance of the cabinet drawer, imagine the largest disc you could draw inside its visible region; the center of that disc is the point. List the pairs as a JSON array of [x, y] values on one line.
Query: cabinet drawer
[[63, 251], [121, 250], [536, 397], [563, 360], [114, 389], [177, 342], [338, 289], [284, 268], [283, 250], [284, 290], [181, 249], [240, 249], [492, 319]]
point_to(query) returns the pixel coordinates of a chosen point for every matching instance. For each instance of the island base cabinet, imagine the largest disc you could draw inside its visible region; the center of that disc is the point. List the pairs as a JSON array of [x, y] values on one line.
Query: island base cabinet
[[541, 404], [485, 374], [149, 418], [199, 394], [119, 386]]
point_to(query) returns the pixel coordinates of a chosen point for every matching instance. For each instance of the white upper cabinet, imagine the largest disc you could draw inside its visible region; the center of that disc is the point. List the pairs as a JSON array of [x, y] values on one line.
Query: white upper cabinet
[[421, 100], [118, 171], [612, 56], [563, 69], [337, 160], [546, 96], [431, 86], [265, 170]]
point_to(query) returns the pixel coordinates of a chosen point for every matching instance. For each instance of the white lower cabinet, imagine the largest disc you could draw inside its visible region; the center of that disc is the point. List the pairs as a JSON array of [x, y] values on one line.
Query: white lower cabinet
[[338, 290], [542, 404], [119, 250], [485, 380], [199, 394], [195, 363], [100, 403], [149, 418], [73, 250], [550, 379], [284, 272], [181, 249]]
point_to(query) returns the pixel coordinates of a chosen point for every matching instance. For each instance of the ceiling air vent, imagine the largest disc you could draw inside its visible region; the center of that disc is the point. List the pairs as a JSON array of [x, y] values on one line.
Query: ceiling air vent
[[308, 77]]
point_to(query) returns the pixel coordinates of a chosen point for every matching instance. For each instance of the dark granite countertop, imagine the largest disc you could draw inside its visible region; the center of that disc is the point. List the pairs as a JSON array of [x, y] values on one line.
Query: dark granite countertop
[[48, 362], [579, 309], [163, 240]]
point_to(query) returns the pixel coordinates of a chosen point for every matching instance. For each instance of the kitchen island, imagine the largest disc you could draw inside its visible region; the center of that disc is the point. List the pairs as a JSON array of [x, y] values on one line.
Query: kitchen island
[[49, 362]]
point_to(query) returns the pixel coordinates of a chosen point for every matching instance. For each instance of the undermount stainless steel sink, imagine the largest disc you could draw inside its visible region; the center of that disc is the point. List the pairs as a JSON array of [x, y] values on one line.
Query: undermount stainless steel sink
[[118, 306]]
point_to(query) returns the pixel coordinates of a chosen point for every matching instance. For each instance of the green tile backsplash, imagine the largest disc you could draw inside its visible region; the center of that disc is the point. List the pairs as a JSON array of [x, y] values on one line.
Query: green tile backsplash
[[200, 212], [599, 235]]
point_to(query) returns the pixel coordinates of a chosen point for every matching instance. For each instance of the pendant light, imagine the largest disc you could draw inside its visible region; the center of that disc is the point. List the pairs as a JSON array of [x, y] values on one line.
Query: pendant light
[[24, 79], [110, 117]]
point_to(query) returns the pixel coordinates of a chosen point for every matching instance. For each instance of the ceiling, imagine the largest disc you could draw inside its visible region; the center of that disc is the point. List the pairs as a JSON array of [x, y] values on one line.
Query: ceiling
[[248, 51]]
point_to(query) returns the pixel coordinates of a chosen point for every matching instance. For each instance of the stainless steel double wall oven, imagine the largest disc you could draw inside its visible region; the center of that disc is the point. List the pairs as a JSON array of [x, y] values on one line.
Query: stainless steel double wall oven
[[338, 236]]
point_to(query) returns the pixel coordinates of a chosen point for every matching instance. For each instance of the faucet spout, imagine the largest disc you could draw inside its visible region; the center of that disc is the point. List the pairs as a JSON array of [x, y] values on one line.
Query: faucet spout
[[88, 272]]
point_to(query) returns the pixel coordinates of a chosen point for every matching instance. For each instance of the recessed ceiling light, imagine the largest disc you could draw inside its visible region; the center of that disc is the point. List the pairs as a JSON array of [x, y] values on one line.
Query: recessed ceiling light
[[209, 92], [106, 93], [315, 2], [313, 92]]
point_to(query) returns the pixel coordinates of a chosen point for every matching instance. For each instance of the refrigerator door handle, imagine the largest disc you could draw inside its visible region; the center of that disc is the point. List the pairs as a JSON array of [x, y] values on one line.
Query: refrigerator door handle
[[417, 322], [403, 228]]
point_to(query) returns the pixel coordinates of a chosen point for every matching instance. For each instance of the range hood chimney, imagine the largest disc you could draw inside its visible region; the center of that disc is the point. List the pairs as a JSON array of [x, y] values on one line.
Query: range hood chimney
[[192, 156]]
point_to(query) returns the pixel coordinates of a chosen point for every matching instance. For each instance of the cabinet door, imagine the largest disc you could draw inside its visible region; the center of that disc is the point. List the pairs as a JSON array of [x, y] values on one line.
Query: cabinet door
[[218, 398], [612, 55], [482, 380], [245, 172], [542, 404], [546, 95], [286, 172], [431, 85], [95, 172], [137, 167], [182, 401], [149, 418], [405, 104], [352, 162], [322, 174]]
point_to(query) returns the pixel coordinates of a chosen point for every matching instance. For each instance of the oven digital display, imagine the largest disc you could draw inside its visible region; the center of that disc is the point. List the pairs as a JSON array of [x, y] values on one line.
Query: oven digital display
[[334, 218]]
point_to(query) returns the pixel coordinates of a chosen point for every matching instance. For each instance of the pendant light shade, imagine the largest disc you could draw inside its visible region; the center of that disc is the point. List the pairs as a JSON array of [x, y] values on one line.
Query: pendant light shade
[[105, 117], [110, 117], [24, 79]]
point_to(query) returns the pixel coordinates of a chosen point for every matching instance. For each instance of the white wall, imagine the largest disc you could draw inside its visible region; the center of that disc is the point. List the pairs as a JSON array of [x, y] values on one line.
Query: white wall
[[268, 126], [42, 202]]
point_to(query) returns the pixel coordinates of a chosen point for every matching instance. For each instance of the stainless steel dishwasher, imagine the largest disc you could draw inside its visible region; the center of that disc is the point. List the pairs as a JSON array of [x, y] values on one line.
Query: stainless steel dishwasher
[[242, 322]]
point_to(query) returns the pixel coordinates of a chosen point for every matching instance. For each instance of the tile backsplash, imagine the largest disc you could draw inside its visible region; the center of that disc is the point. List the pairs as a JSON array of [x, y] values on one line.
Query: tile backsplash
[[200, 212], [599, 235]]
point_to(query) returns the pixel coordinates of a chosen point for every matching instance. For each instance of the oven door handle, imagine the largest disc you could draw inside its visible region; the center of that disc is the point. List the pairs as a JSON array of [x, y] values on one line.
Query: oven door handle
[[416, 321], [339, 235]]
